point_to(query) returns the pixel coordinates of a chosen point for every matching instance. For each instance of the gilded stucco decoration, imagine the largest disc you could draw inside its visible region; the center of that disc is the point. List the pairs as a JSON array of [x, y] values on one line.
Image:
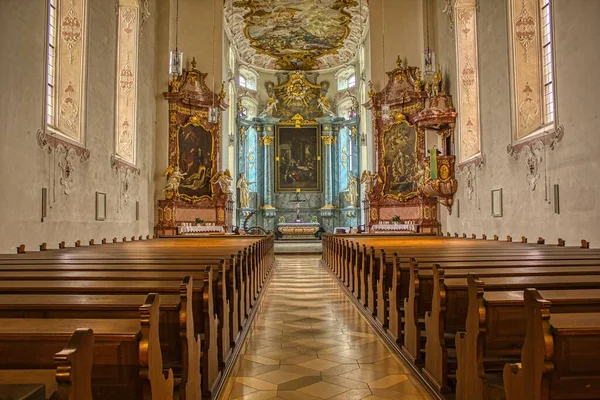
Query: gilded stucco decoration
[[296, 34], [126, 86], [297, 94], [468, 89]]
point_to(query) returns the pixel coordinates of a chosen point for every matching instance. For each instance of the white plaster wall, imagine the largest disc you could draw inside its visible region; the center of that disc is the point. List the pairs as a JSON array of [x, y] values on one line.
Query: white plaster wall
[[574, 162], [25, 168]]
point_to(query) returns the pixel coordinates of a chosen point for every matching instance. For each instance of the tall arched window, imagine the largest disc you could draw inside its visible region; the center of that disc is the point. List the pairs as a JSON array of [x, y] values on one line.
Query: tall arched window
[[345, 157], [65, 68], [533, 87], [346, 78], [127, 77]]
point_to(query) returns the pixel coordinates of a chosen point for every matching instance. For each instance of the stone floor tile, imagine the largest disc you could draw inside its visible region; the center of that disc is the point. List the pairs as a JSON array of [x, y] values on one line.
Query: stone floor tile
[[300, 383], [387, 381], [349, 383], [256, 383], [323, 390], [240, 390], [354, 394]]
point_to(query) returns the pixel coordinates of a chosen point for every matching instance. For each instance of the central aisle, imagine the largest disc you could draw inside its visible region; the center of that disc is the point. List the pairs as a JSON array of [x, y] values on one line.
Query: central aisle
[[309, 342]]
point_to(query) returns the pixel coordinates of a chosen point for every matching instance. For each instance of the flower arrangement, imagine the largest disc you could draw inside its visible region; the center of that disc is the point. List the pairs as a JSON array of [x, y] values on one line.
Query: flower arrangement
[[396, 219], [199, 221], [282, 219], [314, 219]]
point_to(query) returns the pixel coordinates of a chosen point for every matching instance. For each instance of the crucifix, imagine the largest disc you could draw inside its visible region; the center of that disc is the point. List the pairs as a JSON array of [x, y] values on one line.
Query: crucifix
[[298, 201]]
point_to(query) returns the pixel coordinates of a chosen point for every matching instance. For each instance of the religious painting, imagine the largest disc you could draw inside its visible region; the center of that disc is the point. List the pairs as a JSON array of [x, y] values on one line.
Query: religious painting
[[298, 159], [296, 33], [195, 147], [401, 175]]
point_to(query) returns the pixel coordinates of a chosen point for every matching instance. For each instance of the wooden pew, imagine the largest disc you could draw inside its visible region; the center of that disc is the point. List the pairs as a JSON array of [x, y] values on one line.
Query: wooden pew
[[127, 356], [450, 307], [559, 359], [70, 379], [495, 328]]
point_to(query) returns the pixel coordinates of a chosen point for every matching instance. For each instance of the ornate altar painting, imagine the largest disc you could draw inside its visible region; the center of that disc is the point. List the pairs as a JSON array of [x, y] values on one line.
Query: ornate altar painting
[[195, 148], [400, 166], [298, 159]]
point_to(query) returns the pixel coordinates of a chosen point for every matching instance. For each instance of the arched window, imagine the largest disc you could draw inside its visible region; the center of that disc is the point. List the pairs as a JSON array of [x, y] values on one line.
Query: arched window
[[65, 68], [346, 78], [248, 79], [345, 108], [533, 87], [250, 107], [127, 77]]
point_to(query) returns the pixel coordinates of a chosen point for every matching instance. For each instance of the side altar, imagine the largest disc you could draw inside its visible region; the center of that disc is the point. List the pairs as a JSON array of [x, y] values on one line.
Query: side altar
[[196, 189]]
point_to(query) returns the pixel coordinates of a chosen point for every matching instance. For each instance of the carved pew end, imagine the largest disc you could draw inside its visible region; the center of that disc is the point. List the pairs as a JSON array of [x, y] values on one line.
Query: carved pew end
[[133, 238], [455, 234], [147, 237], [448, 234], [43, 247], [473, 236], [496, 238], [78, 243], [74, 366], [62, 245], [540, 240], [21, 249], [464, 235], [103, 240], [124, 239], [561, 242], [585, 244], [509, 238], [92, 242], [141, 238], [523, 239], [484, 237], [115, 240]]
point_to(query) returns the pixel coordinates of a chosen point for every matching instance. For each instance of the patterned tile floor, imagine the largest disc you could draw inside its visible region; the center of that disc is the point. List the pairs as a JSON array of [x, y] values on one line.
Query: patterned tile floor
[[309, 342]]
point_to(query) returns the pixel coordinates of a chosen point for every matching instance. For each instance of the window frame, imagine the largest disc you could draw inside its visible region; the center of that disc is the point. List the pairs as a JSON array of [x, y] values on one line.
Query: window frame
[[51, 127]]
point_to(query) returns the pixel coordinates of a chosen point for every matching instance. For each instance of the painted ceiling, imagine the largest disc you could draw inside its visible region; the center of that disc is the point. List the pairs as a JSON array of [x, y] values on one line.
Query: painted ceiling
[[296, 34]]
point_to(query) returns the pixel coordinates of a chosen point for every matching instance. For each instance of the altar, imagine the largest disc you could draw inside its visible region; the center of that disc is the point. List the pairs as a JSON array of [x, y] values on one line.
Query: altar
[[298, 230]]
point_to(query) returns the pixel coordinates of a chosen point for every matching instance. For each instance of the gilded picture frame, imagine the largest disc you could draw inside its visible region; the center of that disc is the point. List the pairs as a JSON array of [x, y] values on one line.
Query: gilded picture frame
[[298, 163], [196, 158]]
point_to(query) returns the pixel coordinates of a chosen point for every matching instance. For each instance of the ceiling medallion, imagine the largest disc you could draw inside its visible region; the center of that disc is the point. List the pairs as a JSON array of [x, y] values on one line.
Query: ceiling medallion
[[296, 34]]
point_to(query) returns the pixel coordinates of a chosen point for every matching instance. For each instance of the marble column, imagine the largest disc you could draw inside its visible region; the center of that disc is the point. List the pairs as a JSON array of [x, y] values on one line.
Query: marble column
[[328, 142], [267, 141]]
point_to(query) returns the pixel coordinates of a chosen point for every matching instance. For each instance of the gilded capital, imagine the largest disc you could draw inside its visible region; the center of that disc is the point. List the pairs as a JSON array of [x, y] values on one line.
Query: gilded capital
[[328, 139], [266, 140]]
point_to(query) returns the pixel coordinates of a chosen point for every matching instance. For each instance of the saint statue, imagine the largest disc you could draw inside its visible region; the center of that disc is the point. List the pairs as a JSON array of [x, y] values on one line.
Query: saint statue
[[174, 177], [244, 187], [224, 180], [352, 196], [325, 107], [370, 179]]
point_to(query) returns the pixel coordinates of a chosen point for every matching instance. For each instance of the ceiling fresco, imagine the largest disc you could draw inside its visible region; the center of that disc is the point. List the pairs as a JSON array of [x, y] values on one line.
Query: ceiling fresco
[[296, 34]]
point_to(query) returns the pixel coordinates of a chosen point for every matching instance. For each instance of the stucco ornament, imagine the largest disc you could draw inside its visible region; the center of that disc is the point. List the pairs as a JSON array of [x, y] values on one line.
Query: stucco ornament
[[67, 155], [534, 158]]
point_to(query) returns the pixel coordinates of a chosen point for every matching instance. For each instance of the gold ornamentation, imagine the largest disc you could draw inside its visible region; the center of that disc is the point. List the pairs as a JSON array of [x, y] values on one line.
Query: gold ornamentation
[[297, 120], [328, 140], [266, 140]]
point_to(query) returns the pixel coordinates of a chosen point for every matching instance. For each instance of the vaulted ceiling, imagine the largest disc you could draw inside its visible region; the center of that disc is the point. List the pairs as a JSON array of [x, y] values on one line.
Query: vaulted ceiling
[[296, 34]]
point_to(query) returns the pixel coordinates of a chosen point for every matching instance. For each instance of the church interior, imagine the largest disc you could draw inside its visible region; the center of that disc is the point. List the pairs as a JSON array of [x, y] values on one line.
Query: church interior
[[299, 199]]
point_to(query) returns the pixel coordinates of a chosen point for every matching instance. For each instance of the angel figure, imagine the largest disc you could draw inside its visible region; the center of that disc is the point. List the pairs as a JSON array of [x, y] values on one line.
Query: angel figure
[[370, 179], [244, 185], [174, 177], [224, 180], [352, 195], [325, 107]]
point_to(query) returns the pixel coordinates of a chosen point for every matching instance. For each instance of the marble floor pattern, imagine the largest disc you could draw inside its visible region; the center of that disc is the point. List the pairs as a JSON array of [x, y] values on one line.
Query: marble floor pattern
[[309, 342]]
